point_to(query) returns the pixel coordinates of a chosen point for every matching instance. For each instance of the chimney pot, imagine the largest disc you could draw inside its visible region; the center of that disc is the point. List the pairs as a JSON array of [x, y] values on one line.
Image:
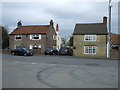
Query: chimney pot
[[104, 20], [51, 22], [57, 27], [19, 24]]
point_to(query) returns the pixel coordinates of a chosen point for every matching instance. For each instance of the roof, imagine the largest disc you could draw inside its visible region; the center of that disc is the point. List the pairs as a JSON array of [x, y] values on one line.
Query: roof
[[36, 29], [90, 28], [115, 39]]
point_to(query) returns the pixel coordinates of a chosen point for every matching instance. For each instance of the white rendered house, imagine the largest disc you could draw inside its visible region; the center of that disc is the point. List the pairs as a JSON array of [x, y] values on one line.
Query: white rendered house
[[58, 38]]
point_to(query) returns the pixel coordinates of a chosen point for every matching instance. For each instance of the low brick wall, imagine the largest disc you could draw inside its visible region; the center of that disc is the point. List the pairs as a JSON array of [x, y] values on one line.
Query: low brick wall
[[115, 54], [36, 51], [0, 50], [5, 51]]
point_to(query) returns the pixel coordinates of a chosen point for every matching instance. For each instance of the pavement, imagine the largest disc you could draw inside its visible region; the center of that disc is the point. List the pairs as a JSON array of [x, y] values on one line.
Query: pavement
[[58, 72]]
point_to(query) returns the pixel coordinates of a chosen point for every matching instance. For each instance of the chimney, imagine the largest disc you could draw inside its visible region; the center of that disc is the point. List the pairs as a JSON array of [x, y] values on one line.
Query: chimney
[[104, 20], [57, 27], [51, 22], [19, 24]]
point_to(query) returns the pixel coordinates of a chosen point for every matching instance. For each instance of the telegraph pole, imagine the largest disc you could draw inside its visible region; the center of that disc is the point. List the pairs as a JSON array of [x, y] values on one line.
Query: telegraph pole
[[109, 30]]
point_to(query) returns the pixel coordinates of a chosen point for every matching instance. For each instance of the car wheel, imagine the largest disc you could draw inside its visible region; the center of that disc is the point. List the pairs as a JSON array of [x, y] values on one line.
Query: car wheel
[[25, 54], [13, 53]]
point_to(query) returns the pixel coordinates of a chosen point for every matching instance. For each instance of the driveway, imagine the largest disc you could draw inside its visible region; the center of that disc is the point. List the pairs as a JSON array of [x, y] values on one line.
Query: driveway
[[58, 72]]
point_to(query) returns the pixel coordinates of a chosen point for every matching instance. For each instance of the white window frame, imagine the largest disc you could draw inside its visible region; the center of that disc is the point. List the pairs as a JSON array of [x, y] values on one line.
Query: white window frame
[[90, 50], [35, 35], [54, 37], [18, 46], [31, 46], [90, 37], [18, 36]]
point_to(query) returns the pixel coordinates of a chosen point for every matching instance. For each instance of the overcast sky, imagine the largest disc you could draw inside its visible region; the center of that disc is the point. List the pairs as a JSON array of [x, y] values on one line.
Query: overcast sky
[[66, 14]]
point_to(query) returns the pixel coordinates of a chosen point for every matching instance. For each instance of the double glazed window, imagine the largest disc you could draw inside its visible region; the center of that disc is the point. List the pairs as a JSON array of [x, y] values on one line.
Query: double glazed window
[[18, 37], [90, 37], [90, 49], [35, 37]]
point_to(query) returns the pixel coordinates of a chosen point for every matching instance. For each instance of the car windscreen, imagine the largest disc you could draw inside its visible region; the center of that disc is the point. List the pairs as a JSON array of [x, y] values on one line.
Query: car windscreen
[[49, 49], [26, 49], [63, 48]]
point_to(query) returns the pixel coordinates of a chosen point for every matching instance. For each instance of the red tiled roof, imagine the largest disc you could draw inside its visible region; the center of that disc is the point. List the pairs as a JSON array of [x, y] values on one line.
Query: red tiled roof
[[36, 29], [115, 39]]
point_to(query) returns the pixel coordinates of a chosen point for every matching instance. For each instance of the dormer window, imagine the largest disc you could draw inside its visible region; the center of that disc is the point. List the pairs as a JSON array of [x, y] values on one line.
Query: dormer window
[[18, 37], [35, 37], [90, 38]]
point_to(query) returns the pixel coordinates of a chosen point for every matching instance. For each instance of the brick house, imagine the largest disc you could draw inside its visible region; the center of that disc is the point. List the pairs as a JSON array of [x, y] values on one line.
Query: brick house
[[90, 39], [115, 45], [34, 37]]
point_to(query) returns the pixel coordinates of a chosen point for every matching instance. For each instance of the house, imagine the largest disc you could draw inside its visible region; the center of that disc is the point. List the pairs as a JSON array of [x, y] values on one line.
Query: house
[[115, 45], [90, 39], [58, 38], [34, 37]]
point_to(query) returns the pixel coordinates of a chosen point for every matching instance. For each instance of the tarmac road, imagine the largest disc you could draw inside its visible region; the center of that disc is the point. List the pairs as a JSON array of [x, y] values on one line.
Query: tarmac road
[[42, 71]]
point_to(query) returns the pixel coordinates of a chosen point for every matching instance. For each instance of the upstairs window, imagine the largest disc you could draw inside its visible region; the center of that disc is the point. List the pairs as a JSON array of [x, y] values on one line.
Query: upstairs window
[[90, 38], [35, 37], [18, 37]]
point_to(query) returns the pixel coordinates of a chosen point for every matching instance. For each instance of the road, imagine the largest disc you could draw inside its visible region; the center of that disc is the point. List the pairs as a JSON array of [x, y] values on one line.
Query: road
[[42, 71]]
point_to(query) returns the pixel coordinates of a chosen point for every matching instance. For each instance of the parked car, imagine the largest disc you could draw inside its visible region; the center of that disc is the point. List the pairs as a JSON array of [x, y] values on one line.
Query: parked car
[[66, 51], [21, 51], [51, 51]]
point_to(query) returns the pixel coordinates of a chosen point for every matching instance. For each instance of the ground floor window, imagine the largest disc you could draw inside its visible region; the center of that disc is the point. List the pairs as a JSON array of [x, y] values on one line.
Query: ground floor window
[[35, 46], [18, 46], [90, 49]]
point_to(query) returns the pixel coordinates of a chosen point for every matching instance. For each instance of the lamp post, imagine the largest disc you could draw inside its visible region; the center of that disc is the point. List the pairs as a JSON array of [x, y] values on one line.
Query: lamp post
[[109, 30]]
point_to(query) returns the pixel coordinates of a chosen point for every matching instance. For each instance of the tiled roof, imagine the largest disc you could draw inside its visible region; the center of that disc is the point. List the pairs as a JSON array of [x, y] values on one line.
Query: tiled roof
[[36, 29], [90, 28], [115, 39]]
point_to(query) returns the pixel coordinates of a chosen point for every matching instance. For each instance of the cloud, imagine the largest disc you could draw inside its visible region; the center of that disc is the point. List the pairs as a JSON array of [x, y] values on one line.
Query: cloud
[[66, 14]]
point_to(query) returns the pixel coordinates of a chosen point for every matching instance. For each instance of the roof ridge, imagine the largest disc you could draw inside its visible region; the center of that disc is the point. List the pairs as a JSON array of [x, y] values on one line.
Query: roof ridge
[[35, 25], [88, 23]]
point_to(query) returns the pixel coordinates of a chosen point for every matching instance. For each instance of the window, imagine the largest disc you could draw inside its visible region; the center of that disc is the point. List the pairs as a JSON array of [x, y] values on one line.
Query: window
[[54, 37], [90, 50], [35, 37], [90, 37], [116, 47], [18, 37], [35, 46], [18, 46]]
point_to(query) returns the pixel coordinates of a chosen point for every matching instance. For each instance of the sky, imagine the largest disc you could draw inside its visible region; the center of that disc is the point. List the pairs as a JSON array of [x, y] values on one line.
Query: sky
[[65, 13]]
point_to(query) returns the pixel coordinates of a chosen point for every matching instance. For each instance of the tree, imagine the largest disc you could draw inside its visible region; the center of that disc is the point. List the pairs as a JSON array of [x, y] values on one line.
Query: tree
[[5, 38]]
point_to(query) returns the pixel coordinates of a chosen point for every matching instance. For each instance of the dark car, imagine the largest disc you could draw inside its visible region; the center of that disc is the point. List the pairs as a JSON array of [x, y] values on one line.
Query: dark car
[[51, 51], [66, 51], [21, 51]]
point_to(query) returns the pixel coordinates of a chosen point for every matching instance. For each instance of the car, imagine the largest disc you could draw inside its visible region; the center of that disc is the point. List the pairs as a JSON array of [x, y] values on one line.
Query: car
[[66, 51], [21, 51], [51, 51]]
